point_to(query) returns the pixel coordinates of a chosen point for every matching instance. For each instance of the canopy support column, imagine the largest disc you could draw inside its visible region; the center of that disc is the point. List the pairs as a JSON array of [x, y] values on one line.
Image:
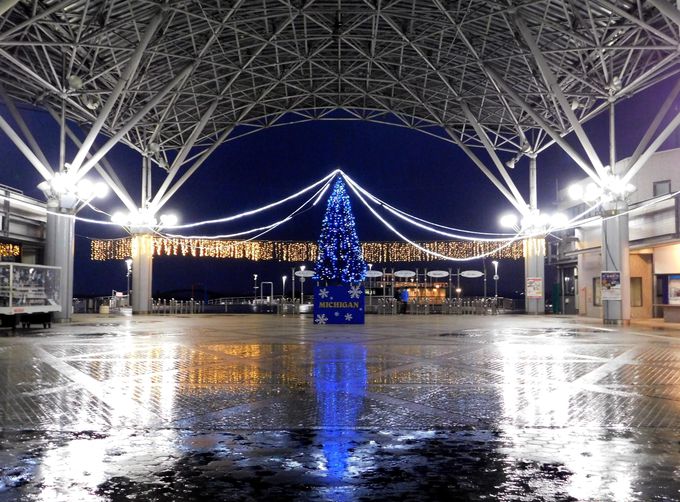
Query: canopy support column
[[142, 271], [534, 255], [615, 259], [534, 275], [59, 252]]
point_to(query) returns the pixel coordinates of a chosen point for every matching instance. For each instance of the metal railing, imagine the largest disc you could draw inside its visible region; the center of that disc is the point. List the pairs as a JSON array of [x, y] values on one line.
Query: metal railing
[[175, 307], [281, 306]]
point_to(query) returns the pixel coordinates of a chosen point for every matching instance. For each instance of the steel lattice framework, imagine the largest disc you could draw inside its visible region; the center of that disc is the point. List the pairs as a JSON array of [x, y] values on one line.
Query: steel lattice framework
[[176, 79]]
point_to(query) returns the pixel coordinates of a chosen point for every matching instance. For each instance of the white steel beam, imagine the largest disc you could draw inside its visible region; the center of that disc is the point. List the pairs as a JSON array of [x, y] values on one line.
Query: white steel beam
[[44, 171], [118, 89], [521, 208], [103, 167], [113, 141], [6, 5], [653, 147], [225, 134], [660, 114], [182, 155], [23, 127], [481, 134], [667, 9], [556, 90], [568, 149]]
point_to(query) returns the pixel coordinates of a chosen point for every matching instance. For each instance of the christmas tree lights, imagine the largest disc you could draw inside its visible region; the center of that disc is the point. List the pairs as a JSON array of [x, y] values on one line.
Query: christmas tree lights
[[340, 258]]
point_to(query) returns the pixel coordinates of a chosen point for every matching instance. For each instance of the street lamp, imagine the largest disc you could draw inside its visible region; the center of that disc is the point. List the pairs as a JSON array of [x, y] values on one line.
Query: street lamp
[[128, 262], [495, 278], [283, 288], [254, 287], [302, 285], [458, 292], [370, 283]]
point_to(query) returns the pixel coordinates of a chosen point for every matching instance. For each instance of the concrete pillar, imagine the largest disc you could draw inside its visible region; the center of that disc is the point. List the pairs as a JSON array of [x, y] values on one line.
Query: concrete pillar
[[59, 252], [534, 254], [615, 259], [142, 268], [534, 274]]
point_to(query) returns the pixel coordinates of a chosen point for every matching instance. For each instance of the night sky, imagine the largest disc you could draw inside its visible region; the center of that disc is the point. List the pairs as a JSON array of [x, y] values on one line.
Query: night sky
[[424, 176]]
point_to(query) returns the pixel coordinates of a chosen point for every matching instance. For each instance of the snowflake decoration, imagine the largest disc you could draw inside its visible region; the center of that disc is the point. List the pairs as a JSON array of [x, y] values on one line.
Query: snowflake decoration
[[323, 293], [348, 317], [354, 291], [321, 319]]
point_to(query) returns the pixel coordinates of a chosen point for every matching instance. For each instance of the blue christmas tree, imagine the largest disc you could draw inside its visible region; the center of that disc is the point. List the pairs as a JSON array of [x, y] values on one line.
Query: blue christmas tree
[[340, 259]]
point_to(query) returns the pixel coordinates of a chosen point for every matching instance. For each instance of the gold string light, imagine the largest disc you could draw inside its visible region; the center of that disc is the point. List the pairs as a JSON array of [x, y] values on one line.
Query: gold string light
[[10, 249], [286, 251]]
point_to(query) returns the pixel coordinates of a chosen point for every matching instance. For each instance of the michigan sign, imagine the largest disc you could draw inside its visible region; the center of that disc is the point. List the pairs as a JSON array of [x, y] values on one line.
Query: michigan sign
[[339, 304]]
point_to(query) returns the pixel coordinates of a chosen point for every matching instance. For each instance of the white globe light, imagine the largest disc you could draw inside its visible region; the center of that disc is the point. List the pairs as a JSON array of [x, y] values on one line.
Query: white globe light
[[169, 220], [84, 189], [575, 192], [508, 220], [119, 218], [592, 192], [559, 220], [543, 219], [101, 189], [60, 183]]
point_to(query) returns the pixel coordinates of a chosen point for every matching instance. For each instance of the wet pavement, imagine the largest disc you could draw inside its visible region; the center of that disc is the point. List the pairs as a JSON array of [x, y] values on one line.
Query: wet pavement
[[256, 407]]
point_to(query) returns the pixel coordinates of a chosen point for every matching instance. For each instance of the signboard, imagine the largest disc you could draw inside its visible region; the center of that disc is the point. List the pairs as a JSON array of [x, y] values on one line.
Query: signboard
[[534, 287], [471, 274], [404, 273], [674, 289], [374, 273], [339, 304], [611, 285], [437, 273]]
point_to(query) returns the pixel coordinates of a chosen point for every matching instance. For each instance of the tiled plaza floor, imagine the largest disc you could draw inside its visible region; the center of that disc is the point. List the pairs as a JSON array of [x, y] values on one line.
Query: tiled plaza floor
[[257, 407]]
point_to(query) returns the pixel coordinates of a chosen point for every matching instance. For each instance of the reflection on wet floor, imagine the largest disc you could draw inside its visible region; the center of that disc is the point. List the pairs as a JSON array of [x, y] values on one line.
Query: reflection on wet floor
[[266, 408]]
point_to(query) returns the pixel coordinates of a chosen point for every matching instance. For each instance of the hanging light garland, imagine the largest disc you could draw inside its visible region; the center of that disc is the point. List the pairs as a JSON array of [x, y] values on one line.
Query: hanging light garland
[[287, 251], [10, 249]]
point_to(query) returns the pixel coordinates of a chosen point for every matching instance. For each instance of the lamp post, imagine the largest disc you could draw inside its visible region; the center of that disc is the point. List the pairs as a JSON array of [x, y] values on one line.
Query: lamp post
[[283, 287], [254, 287], [484, 265], [370, 281], [128, 262], [495, 278], [302, 285]]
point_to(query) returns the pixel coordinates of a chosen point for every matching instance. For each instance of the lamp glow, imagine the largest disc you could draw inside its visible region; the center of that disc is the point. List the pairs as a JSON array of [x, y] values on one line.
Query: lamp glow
[[575, 192], [169, 220], [508, 220], [559, 220]]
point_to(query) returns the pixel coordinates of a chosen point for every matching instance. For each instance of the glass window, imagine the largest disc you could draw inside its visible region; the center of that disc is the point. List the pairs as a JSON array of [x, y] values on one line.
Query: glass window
[[597, 292], [662, 187], [636, 291]]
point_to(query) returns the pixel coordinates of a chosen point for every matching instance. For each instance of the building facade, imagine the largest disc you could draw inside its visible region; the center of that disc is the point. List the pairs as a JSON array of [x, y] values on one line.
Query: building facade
[[654, 237], [22, 227]]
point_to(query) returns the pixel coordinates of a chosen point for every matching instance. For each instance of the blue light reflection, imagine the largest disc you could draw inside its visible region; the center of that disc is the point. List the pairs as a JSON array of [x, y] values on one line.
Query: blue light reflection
[[340, 378]]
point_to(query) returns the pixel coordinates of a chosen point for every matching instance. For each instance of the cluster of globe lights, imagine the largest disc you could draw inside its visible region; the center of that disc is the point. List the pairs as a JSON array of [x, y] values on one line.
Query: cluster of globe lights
[[70, 190], [143, 219], [610, 189], [534, 222]]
